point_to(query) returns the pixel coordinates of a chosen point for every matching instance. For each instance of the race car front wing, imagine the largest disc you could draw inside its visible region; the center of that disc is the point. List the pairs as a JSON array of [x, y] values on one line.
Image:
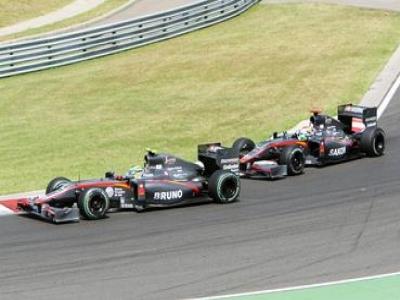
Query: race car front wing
[[50, 213]]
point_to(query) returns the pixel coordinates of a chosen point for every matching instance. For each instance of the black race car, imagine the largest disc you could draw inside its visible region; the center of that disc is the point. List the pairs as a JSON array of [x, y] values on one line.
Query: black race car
[[165, 181], [324, 140]]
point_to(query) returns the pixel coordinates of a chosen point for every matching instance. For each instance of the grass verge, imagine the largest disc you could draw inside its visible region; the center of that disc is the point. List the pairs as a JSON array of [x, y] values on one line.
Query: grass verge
[[246, 77], [385, 288]]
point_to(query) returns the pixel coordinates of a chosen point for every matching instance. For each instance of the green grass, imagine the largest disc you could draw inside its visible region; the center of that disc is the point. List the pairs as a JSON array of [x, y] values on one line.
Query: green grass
[[12, 12], [387, 288], [247, 77], [98, 11]]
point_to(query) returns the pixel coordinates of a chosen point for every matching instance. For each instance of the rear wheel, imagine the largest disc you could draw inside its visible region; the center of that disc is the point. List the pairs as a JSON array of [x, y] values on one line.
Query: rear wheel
[[93, 204], [373, 141], [57, 183], [293, 157], [243, 146], [224, 186]]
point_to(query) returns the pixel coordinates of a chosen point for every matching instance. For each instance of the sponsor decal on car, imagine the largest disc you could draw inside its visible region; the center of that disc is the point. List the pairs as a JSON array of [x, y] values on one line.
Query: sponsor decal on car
[[180, 175], [354, 109], [232, 167], [229, 161], [337, 152], [176, 168], [147, 175], [119, 192], [169, 195], [109, 191], [230, 164], [170, 160]]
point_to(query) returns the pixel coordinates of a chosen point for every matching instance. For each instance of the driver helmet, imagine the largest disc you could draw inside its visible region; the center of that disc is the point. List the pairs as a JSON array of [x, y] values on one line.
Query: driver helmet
[[304, 132], [317, 120], [135, 171], [302, 136]]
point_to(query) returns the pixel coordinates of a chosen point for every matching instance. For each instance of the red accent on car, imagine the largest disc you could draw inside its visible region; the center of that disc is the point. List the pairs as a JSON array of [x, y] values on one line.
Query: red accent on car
[[105, 183], [357, 125], [322, 148], [141, 191]]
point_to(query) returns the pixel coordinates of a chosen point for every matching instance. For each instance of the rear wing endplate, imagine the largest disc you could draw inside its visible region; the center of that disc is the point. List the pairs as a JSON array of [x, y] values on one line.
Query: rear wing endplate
[[356, 117], [216, 157]]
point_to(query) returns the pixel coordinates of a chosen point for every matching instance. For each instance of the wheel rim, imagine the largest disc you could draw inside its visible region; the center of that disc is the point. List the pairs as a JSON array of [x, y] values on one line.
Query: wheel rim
[[297, 161], [96, 205], [229, 188], [379, 144]]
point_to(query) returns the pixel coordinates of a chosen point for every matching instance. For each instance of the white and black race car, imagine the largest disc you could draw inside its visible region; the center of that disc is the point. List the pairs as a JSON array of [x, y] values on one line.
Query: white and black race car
[[326, 140], [165, 181]]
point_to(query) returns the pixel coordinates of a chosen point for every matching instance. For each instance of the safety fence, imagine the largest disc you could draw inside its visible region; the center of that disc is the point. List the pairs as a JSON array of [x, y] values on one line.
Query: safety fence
[[64, 49]]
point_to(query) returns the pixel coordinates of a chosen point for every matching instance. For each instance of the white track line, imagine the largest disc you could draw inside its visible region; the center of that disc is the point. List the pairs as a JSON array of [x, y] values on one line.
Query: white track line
[[381, 109], [381, 106], [4, 211], [301, 287], [389, 96]]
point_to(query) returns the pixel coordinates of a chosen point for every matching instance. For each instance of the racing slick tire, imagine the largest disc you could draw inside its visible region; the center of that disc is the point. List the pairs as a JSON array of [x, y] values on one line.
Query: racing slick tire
[[372, 141], [224, 186], [293, 157], [93, 204], [243, 146], [56, 184]]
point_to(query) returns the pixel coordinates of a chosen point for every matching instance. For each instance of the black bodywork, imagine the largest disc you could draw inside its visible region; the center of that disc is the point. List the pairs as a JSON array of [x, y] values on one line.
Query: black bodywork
[[329, 140], [165, 180]]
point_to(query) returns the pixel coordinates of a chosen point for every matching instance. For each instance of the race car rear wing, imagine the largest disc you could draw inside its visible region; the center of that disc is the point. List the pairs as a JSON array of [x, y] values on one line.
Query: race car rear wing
[[216, 157], [356, 118]]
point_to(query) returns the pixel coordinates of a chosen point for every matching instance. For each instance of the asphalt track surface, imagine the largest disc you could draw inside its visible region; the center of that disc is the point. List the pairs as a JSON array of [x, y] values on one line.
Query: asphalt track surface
[[332, 223]]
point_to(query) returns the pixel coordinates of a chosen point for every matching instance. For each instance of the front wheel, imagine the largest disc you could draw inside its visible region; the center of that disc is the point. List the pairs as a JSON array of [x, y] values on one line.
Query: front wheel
[[224, 186], [372, 141], [293, 157], [56, 184], [93, 204]]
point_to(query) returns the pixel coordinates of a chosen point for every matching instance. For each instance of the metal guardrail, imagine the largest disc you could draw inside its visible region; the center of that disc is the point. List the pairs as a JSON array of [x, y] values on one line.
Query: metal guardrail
[[64, 49]]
